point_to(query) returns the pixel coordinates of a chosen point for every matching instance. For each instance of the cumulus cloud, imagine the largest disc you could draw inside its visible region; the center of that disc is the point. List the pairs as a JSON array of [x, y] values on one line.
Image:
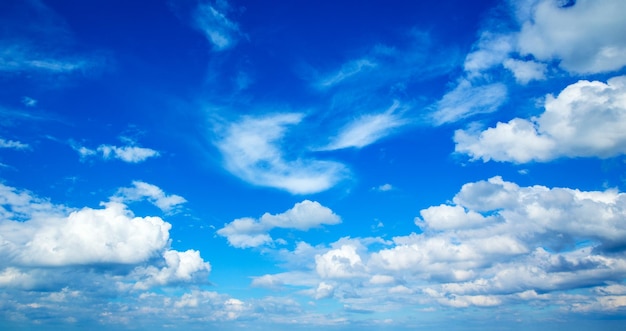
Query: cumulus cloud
[[496, 243], [130, 154], [219, 30], [586, 37], [468, 99], [48, 246], [526, 71], [367, 129], [586, 119], [141, 190], [252, 152], [249, 232]]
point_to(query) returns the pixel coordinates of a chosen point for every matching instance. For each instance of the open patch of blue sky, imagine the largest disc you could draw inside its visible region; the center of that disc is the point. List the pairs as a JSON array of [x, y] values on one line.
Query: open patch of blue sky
[[198, 164]]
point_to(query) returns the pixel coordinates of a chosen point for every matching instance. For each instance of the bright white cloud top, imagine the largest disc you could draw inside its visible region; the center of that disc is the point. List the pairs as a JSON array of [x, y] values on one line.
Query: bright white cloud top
[[243, 165]]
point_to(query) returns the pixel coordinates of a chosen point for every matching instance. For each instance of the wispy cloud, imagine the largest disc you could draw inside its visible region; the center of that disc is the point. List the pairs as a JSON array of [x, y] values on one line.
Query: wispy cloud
[[13, 144], [466, 100], [220, 31], [347, 70], [585, 119], [367, 129], [251, 150], [249, 232]]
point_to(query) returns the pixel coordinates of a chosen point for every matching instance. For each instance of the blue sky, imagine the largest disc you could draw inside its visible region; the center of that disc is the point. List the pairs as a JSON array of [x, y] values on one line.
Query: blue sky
[[295, 165]]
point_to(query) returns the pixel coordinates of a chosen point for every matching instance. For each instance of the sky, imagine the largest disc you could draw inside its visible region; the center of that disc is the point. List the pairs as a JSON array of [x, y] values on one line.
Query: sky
[[307, 165]]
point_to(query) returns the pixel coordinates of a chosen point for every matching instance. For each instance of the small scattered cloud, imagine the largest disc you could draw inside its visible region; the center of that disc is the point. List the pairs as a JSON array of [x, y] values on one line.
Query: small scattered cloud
[[383, 188], [367, 129], [29, 102], [467, 100], [348, 70], [526, 71], [13, 144], [219, 30], [130, 154], [251, 150], [141, 190], [249, 232], [585, 120]]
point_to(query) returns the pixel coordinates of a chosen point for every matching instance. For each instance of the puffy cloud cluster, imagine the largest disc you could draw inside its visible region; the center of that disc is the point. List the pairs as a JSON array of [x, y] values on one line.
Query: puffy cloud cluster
[[585, 119], [496, 243], [584, 37], [249, 232], [48, 245]]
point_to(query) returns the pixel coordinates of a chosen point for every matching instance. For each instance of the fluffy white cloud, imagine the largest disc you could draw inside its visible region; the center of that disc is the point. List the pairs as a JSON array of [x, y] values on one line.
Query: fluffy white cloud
[[496, 243], [586, 119], [466, 100], [343, 262], [179, 267], [489, 51], [367, 129], [586, 37], [86, 236], [47, 246], [211, 19], [141, 190], [251, 151], [248, 232], [525, 71]]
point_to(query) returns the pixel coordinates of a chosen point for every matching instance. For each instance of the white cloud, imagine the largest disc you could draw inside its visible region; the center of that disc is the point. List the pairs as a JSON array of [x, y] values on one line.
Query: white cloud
[[526, 71], [367, 129], [53, 246], [251, 151], [179, 267], [211, 19], [586, 119], [141, 190], [466, 100], [29, 102], [490, 50], [343, 262], [13, 144], [496, 243], [348, 70], [248, 232], [384, 187], [130, 154], [586, 37], [21, 57], [86, 236]]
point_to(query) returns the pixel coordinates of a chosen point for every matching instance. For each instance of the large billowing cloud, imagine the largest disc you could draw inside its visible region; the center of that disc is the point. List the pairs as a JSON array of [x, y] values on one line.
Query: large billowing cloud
[[249, 232], [40, 241], [586, 37], [586, 119], [495, 244], [252, 151]]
